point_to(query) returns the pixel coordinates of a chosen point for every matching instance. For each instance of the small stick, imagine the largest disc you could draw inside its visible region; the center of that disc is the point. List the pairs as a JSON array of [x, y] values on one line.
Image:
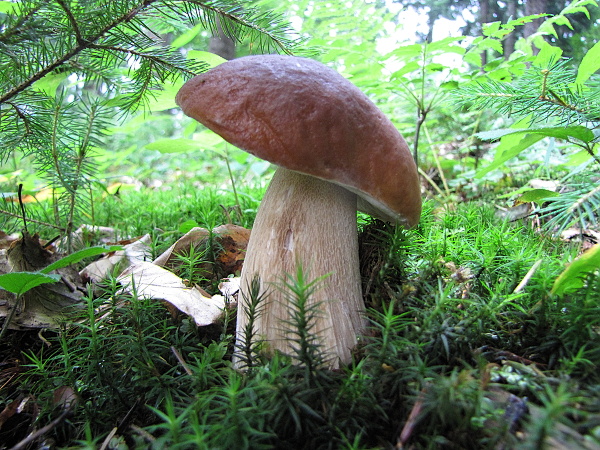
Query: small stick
[[20, 192], [32, 437], [181, 361], [411, 422], [527, 277], [108, 438]]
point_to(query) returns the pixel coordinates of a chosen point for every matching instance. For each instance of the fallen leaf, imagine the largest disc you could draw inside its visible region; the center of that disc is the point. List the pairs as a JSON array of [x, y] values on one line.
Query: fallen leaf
[[115, 262], [516, 212], [64, 397], [7, 239], [28, 255], [231, 242], [229, 287], [10, 410], [233, 239], [192, 238], [151, 281], [41, 305], [45, 306], [587, 237]]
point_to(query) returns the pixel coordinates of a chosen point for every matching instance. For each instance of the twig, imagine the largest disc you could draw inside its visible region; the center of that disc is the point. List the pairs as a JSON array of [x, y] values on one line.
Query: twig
[[32, 437], [8, 213], [20, 195], [108, 438], [181, 361], [412, 420], [9, 317], [527, 277], [431, 182]]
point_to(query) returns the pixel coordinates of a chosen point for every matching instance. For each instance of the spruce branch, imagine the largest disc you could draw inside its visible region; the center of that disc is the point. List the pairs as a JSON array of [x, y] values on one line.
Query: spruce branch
[[81, 45], [542, 94], [16, 28], [262, 26], [578, 205], [72, 20], [251, 20], [154, 58], [114, 46]]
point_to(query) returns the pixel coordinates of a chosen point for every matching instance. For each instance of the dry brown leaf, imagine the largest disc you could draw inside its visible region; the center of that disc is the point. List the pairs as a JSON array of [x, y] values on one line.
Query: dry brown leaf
[[587, 237], [192, 238], [516, 212], [10, 410], [44, 306], [64, 397], [233, 239], [7, 239], [28, 255], [115, 262], [152, 281]]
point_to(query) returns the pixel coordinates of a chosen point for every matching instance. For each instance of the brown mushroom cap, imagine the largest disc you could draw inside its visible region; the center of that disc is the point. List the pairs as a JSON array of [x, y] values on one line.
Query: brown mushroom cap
[[299, 114]]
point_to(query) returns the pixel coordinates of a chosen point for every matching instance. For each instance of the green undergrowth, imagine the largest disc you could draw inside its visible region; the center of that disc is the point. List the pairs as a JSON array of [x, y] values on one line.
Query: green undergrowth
[[163, 213], [466, 348]]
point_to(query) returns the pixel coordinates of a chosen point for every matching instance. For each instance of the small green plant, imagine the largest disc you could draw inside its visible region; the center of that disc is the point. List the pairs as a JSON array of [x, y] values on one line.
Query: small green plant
[[19, 283], [573, 277], [248, 345], [189, 265], [557, 405], [306, 346], [70, 71], [424, 81], [550, 100]]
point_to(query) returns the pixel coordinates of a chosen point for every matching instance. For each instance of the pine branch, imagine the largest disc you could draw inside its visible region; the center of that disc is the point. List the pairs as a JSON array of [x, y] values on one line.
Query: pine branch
[[249, 18], [82, 44], [578, 205], [264, 26], [542, 94], [112, 44]]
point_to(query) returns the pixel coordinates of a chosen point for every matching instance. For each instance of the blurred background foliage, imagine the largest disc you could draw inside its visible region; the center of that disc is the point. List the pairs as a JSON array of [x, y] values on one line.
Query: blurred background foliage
[[87, 98]]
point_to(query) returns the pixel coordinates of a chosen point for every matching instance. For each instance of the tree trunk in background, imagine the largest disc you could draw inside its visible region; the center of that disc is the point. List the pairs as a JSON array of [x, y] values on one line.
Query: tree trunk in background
[[431, 18], [221, 44], [509, 42], [534, 7], [484, 17]]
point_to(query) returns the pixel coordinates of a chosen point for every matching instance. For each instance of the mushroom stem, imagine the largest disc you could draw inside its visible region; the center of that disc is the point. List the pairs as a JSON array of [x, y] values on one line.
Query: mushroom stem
[[308, 221]]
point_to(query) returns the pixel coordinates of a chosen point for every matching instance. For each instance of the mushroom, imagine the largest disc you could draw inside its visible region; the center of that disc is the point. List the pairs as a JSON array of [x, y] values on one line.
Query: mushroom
[[335, 152]]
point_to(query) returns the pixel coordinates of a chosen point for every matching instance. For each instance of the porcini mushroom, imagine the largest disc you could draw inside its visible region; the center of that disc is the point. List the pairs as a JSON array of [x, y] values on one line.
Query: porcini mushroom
[[335, 151]]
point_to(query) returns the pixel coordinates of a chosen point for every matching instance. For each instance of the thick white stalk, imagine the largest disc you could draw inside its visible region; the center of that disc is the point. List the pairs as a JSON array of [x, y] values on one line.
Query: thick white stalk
[[305, 220]]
